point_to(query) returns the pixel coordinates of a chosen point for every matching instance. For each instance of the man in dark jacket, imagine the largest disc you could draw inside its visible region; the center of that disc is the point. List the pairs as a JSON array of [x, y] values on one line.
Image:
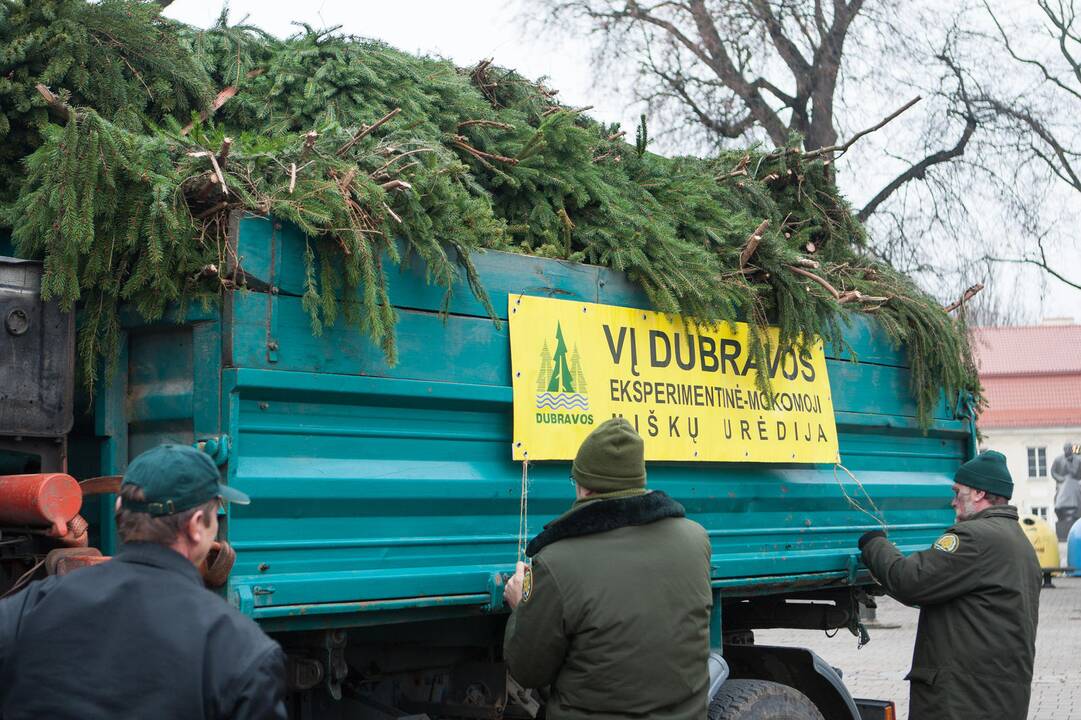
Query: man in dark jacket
[[978, 589], [140, 636], [613, 613]]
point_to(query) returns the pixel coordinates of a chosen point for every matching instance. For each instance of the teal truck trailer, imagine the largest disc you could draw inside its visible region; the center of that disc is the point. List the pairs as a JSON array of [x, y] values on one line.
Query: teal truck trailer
[[387, 509]]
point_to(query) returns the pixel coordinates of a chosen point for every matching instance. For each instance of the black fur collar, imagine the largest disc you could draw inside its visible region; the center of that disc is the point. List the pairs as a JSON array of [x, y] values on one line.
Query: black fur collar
[[606, 515]]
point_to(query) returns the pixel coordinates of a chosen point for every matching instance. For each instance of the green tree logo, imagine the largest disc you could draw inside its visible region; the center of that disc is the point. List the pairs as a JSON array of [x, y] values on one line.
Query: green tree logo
[[561, 379], [545, 371], [561, 384]]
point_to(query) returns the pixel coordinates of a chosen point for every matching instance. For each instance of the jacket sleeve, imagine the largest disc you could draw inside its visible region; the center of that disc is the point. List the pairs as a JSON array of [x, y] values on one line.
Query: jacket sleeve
[[949, 569], [260, 692], [535, 641], [11, 613], [1059, 469]]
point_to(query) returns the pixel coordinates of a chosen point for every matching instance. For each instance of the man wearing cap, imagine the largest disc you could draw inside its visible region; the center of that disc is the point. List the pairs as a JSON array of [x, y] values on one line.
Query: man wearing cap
[[140, 636], [978, 589], [613, 614]]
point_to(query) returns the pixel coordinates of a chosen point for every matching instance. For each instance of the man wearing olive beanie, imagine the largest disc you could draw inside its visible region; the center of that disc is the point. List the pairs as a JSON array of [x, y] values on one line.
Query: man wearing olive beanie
[[978, 589], [613, 613]]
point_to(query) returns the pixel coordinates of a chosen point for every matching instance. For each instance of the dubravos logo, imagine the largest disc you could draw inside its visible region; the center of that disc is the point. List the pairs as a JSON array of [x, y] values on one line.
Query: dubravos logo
[[561, 386]]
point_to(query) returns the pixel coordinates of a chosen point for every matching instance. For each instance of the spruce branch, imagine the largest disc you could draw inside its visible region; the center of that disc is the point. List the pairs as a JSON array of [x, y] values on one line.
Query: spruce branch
[[309, 144], [459, 141], [739, 170], [223, 153], [818, 279], [752, 244], [366, 130], [485, 123], [965, 297], [58, 106]]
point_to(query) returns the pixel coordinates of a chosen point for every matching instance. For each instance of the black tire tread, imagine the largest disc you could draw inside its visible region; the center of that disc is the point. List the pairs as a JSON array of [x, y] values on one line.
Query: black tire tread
[[761, 700]]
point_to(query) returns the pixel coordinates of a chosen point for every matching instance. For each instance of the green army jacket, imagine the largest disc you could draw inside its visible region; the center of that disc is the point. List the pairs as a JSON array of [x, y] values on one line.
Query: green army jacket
[[978, 589], [617, 619]]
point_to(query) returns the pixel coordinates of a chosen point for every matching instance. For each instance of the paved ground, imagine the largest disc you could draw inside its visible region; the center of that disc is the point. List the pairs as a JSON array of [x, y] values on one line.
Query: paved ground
[[877, 670]]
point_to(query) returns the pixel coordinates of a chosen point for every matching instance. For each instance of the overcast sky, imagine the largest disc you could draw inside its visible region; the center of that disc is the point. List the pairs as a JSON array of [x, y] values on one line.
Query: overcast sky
[[466, 32]]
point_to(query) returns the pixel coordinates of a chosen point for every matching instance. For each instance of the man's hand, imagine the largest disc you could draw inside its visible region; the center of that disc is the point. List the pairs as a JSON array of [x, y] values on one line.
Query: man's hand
[[869, 536], [512, 591]]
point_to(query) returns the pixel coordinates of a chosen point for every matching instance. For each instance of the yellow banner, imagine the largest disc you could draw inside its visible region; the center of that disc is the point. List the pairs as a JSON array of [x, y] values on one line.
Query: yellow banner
[[690, 391]]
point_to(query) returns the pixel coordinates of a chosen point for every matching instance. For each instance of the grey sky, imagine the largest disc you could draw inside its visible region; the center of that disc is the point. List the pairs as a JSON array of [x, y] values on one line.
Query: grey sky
[[466, 32]]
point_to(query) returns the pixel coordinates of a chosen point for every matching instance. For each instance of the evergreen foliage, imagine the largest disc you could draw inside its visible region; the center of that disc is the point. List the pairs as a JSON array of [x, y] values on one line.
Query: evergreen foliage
[[358, 144]]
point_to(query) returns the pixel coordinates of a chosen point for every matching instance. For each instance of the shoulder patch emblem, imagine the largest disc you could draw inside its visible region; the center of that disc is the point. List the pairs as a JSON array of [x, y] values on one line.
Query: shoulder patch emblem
[[527, 583], [947, 543]]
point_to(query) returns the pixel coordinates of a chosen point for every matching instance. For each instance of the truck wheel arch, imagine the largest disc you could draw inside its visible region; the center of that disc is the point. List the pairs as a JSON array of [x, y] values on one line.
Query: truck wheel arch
[[798, 668]]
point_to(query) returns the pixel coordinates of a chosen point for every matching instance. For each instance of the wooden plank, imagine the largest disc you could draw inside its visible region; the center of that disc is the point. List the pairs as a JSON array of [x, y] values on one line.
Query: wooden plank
[[473, 350], [503, 274]]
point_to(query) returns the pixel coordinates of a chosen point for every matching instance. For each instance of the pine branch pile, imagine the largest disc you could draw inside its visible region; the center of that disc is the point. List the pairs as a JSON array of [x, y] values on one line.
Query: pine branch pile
[[123, 180]]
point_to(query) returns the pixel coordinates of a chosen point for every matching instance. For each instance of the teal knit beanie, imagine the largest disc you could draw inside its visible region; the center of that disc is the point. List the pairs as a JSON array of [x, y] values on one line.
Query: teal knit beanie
[[611, 458], [987, 471]]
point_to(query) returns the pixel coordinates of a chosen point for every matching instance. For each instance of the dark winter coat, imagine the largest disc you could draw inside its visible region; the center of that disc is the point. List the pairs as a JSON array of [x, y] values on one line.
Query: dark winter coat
[[617, 618], [135, 637], [978, 589]]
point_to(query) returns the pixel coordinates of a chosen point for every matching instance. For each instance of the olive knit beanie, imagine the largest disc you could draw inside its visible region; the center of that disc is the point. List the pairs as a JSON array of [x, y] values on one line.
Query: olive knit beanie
[[987, 471], [611, 458]]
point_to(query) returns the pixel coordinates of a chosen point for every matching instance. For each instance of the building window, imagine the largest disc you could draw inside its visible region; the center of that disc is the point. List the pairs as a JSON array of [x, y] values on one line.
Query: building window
[[1040, 512], [1037, 462]]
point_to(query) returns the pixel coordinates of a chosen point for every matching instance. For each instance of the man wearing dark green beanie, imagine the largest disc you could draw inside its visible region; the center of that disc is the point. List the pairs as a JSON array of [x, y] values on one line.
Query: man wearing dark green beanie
[[613, 613], [978, 589]]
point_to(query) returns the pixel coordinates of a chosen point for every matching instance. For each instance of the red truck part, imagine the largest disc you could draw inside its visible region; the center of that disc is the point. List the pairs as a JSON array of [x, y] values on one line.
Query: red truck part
[[41, 499]]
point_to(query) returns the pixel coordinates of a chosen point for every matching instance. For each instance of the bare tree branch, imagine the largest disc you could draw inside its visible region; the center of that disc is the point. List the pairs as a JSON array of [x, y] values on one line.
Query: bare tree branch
[[1042, 67], [843, 148], [968, 295], [1039, 261], [1064, 168], [919, 169]]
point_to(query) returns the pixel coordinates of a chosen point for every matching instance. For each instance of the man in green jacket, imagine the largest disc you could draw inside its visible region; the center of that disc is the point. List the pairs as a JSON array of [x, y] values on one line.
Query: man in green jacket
[[978, 589], [613, 613]]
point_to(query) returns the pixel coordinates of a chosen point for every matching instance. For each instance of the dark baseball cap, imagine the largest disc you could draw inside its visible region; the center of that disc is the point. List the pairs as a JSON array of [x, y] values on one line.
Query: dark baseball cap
[[175, 478]]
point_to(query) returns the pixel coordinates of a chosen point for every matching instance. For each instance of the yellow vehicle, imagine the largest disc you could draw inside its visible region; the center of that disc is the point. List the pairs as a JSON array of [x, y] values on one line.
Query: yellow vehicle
[[1042, 536]]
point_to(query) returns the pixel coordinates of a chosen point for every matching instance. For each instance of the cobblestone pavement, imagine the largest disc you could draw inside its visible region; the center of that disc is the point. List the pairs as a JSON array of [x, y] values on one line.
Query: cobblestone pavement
[[877, 671]]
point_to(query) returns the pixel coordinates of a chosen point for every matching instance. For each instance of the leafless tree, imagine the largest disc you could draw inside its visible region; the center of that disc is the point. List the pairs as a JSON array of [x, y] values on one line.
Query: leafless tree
[[1039, 118], [764, 69], [780, 72]]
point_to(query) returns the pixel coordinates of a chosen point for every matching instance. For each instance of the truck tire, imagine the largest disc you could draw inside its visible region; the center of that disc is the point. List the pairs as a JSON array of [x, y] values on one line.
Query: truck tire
[[761, 700]]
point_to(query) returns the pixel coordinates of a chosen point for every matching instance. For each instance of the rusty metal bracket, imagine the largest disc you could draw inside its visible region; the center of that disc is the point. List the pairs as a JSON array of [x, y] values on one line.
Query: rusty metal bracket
[[303, 673], [334, 660], [477, 690], [522, 698]]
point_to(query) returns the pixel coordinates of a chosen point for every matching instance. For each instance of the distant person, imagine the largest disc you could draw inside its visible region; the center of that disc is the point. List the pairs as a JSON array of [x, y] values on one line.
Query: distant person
[[1066, 470], [978, 589], [140, 636], [614, 612]]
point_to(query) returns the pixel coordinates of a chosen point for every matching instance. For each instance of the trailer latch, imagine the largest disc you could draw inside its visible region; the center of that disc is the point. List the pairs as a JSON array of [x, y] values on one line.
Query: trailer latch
[[216, 447], [496, 582]]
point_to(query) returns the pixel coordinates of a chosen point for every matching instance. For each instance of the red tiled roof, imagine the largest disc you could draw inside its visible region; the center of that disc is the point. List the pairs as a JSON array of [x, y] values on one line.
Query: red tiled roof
[[1031, 375], [1037, 350], [1032, 401]]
